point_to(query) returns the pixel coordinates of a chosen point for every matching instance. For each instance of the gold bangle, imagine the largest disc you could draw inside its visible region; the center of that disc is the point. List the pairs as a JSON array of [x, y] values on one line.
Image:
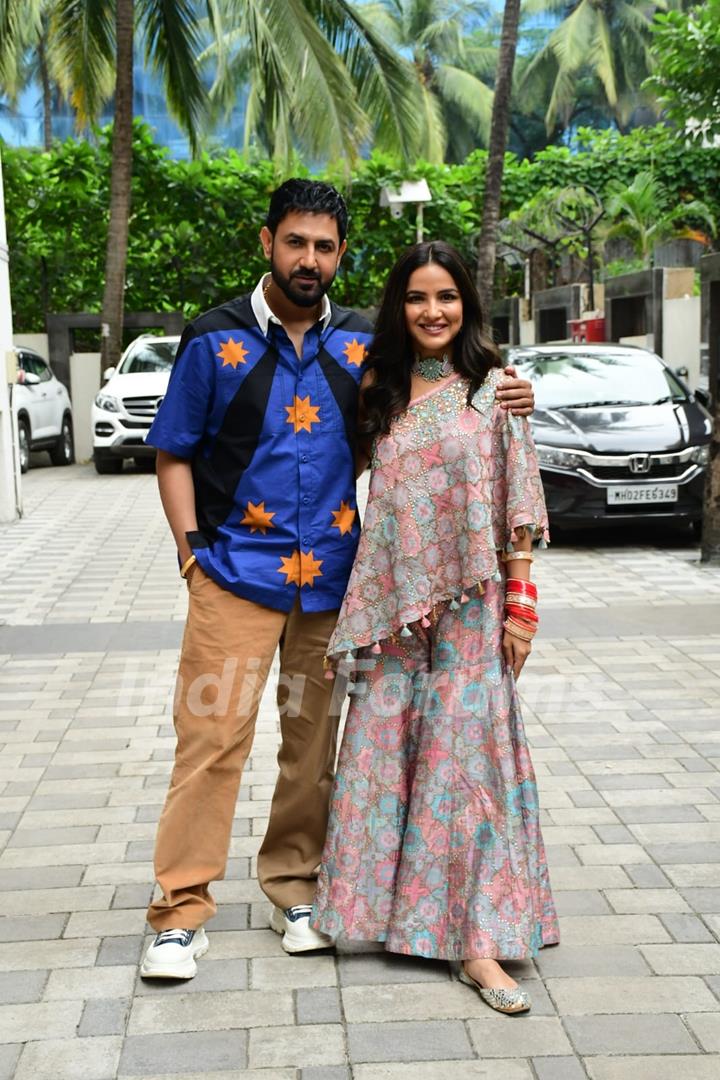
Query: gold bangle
[[513, 556], [186, 566], [517, 631], [520, 598]]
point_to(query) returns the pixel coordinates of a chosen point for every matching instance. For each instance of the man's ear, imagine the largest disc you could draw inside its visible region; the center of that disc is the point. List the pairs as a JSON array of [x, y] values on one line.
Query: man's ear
[[266, 239], [341, 251]]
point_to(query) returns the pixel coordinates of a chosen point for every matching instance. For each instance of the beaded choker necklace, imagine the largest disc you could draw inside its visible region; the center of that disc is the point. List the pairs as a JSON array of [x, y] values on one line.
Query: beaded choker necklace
[[431, 369]]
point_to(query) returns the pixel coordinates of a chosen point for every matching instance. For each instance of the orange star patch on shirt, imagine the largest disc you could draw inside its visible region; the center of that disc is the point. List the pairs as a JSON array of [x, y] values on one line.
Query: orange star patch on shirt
[[302, 415], [258, 518], [232, 353], [300, 568], [354, 352], [344, 518]]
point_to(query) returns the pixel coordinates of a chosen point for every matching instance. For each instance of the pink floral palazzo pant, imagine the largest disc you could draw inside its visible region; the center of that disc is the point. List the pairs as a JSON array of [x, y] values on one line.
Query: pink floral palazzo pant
[[434, 844]]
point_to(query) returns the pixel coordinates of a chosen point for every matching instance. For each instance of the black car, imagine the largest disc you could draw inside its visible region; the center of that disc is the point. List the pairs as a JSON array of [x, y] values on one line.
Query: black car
[[619, 437]]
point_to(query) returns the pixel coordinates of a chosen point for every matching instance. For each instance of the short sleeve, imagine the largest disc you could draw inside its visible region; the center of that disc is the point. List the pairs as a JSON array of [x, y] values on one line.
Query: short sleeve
[[181, 421], [525, 499]]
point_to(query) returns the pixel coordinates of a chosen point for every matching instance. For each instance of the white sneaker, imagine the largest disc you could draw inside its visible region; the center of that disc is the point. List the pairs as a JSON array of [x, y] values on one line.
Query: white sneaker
[[173, 953], [298, 935]]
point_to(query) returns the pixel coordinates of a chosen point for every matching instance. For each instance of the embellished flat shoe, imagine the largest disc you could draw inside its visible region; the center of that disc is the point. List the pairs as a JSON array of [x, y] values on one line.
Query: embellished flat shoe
[[504, 1001]]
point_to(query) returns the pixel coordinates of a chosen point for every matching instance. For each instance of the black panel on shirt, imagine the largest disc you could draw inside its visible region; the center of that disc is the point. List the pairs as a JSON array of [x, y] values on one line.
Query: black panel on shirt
[[344, 390], [216, 477]]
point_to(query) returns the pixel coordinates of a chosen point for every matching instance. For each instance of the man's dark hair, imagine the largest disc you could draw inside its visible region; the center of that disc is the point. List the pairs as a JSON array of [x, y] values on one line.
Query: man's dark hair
[[309, 197]]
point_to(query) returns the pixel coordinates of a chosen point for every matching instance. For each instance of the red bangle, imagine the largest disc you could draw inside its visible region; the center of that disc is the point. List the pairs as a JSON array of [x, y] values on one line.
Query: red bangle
[[526, 614], [519, 585]]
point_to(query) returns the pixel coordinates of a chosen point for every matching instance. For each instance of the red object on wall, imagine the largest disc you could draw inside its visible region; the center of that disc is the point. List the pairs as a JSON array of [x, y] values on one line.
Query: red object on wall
[[584, 330]]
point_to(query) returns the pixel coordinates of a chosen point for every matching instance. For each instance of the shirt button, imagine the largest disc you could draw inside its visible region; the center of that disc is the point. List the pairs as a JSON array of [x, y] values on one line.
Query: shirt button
[[301, 417], [306, 541], [304, 458], [306, 499]]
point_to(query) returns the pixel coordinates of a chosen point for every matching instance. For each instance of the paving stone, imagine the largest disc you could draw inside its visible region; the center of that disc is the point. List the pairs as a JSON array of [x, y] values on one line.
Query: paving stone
[[325, 1072], [32, 955], [116, 923], [435, 1039], [230, 917], [104, 1016], [19, 1023], [613, 929], [581, 902], [538, 1036], [559, 1068], [32, 928], [118, 951], [706, 1028], [655, 1067], [210, 1012], [321, 1044], [652, 901], [284, 971], [132, 896], [21, 986], [199, 1052], [99, 982], [9, 1054], [577, 997], [506, 1069], [318, 1006], [413, 1001], [388, 968], [69, 1059], [212, 975], [648, 877], [686, 928], [629, 1034], [683, 959]]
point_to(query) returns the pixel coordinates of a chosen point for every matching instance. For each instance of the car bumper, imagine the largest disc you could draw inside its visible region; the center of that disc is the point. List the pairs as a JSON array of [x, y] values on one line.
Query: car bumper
[[575, 501], [115, 435]]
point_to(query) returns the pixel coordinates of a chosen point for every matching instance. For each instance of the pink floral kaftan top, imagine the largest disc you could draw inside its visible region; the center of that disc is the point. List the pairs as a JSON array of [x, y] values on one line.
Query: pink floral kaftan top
[[449, 485]]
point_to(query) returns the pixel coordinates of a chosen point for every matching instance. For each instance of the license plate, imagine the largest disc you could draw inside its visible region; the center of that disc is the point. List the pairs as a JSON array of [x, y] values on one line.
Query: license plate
[[630, 495]]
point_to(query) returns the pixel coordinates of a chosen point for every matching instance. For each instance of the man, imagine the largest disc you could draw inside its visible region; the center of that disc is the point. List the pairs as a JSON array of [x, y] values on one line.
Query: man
[[255, 466]]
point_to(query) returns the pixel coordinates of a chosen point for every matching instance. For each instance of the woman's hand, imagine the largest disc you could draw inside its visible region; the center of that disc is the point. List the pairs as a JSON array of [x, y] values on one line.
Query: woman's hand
[[515, 651], [516, 394]]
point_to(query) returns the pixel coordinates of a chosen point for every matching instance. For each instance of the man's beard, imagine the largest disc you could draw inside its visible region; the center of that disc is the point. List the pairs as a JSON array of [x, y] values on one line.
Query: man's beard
[[307, 295]]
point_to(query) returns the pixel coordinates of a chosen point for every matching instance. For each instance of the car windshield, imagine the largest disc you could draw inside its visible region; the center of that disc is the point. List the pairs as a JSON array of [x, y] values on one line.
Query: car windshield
[[149, 356], [586, 379]]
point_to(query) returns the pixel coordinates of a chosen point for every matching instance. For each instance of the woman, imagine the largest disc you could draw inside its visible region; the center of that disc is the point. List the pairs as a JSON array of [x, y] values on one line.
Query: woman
[[434, 844]]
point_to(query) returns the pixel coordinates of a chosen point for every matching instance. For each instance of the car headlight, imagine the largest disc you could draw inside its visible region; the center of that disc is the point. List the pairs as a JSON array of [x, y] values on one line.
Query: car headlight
[[107, 402], [700, 455], [554, 457]]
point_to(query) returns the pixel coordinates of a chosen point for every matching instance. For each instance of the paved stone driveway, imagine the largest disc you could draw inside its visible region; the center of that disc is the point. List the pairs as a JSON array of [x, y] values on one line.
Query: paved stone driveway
[[622, 705]]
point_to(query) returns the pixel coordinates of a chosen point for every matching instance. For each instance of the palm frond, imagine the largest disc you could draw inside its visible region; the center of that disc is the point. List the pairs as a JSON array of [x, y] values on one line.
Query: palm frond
[[83, 54], [471, 96], [172, 45], [600, 56]]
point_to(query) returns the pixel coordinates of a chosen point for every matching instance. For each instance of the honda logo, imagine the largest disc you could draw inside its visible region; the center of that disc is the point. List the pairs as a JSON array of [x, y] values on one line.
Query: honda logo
[[639, 463]]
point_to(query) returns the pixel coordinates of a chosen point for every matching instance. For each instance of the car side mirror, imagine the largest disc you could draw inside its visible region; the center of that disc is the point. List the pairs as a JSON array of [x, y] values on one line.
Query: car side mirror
[[29, 378], [703, 397], [108, 373]]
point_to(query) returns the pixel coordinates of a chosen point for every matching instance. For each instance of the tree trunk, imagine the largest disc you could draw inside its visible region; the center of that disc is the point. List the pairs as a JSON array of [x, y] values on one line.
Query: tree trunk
[[496, 154], [46, 89], [710, 552], [120, 189]]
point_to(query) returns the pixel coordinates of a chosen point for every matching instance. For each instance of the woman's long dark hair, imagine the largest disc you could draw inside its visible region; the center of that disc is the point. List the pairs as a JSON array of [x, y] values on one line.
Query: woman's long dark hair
[[391, 354]]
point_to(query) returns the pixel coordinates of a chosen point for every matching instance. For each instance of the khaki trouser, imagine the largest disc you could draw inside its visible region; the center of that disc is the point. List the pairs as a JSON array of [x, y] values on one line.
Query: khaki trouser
[[227, 652]]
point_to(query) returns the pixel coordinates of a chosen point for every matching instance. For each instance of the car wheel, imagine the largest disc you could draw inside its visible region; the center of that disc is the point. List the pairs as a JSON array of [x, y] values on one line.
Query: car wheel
[[63, 453], [107, 466], [24, 444]]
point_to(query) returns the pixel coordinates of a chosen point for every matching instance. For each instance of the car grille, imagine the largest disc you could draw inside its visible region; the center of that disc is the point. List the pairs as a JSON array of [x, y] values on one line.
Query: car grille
[[142, 406], [622, 472]]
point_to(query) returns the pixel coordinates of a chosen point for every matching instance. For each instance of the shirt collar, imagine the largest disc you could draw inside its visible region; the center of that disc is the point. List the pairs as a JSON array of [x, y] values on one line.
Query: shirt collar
[[264, 314]]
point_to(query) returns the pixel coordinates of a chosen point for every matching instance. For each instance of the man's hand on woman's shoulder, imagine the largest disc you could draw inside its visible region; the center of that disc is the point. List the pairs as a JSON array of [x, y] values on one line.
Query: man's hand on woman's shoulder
[[515, 394]]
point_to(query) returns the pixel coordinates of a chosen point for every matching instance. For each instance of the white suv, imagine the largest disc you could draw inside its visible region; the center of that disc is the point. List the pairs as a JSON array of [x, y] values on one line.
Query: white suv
[[126, 406], [43, 412]]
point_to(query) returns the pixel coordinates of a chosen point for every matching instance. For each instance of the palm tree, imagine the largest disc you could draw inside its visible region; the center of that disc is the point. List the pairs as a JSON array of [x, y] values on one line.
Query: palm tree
[[487, 245], [27, 56], [320, 77], [610, 40], [642, 213], [449, 65]]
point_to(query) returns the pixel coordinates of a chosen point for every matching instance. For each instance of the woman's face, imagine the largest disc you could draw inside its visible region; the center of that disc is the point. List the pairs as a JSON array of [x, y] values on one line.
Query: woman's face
[[433, 310]]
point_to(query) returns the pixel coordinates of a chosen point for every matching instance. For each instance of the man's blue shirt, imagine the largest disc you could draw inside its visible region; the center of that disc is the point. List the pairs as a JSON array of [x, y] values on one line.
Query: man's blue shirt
[[271, 438]]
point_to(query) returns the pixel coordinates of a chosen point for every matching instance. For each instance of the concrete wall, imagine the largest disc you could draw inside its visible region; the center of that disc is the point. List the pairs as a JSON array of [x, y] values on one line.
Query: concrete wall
[[681, 336], [84, 385], [527, 331], [37, 342]]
